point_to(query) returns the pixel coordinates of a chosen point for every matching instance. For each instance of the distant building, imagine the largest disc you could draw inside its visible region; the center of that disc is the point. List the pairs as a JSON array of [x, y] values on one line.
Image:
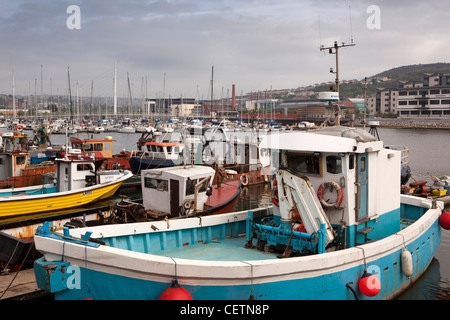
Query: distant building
[[354, 105], [431, 98], [305, 108], [385, 101], [172, 107]]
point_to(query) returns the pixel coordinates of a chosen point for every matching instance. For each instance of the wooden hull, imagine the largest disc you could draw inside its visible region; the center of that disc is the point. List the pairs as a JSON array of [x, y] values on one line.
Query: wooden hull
[[31, 176], [28, 205], [16, 238], [223, 199]]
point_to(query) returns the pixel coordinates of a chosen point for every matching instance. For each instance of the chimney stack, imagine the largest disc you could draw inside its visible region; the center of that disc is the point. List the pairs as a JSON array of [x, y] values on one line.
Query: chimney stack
[[233, 94]]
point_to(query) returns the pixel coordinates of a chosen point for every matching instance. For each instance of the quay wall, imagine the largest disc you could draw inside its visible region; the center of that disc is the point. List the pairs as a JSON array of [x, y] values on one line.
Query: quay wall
[[410, 123]]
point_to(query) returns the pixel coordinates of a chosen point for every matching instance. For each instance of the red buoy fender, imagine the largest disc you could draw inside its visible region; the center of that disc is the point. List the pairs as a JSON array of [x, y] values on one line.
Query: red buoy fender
[[275, 192], [444, 220], [369, 285], [331, 185], [175, 292]]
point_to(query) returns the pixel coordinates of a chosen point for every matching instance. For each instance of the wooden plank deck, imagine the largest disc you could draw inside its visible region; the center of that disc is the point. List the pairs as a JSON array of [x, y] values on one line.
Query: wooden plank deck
[[23, 286]]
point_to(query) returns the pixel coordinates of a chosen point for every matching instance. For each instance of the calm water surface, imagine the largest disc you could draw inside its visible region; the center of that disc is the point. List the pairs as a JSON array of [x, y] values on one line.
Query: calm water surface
[[429, 155]]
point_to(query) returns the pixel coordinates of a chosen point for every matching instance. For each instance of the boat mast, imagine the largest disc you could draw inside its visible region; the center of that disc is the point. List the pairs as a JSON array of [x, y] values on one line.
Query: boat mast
[[336, 48], [70, 98], [14, 97], [115, 89], [212, 92]]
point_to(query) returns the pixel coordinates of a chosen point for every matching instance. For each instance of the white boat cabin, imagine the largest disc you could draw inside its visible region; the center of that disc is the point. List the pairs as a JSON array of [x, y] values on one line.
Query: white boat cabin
[[356, 179], [168, 191], [73, 174], [249, 154], [176, 152], [13, 155]]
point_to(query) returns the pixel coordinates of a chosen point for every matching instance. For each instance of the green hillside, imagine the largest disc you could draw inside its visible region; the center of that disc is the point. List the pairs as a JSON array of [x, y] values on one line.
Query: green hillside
[[405, 73], [414, 72]]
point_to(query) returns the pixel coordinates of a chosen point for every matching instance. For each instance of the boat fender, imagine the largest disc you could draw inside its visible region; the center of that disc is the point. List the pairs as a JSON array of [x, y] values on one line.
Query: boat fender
[[444, 220], [331, 185], [369, 284], [244, 180], [407, 263], [275, 192], [175, 292]]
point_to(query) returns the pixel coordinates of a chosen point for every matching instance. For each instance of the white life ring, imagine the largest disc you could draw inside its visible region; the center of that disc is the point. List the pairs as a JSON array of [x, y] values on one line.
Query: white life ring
[[188, 204], [244, 180], [330, 185]]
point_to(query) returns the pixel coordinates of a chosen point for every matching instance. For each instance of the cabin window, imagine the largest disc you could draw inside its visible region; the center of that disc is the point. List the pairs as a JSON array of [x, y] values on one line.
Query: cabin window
[[107, 146], [84, 167], [363, 165], [169, 149], [20, 160], [176, 150], [190, 186], [98, 147], [159, 149], [334, 164], [304, 163], [158, 184], [88, 147], [351, 162]]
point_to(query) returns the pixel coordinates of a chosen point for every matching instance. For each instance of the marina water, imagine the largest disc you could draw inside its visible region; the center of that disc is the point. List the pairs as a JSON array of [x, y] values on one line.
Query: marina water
[[428, 157]]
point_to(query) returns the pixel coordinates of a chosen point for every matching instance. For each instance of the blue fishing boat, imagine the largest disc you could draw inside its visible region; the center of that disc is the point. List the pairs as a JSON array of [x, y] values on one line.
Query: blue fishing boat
[[339, 229]]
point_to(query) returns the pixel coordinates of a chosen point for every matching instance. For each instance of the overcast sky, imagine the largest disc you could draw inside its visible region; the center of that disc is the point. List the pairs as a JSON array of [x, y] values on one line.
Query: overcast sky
[[254, 44]]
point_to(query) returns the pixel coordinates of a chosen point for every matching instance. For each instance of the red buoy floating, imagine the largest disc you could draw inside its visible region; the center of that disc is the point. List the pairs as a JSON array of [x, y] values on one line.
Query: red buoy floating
[[369, 285], [444, 220], [175, 292]]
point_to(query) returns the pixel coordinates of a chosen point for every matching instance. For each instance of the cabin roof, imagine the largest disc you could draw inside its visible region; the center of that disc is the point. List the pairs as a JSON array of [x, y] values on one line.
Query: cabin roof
[[78, 140], [332, 140], [180, 171], [163, 144]]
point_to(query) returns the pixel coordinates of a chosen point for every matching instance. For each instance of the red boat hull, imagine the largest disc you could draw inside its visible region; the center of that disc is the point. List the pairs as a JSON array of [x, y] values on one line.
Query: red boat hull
[[223, 198]]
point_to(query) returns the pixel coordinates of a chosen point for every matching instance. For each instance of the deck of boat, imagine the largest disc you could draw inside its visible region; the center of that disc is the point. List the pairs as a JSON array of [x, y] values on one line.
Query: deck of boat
[[229, 249]]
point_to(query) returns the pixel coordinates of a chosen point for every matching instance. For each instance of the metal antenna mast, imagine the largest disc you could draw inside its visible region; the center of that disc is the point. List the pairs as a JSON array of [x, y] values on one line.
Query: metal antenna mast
[[335, 50]]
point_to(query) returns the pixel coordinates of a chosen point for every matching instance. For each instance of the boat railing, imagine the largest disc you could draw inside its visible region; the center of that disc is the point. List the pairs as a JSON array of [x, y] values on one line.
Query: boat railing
[[7, 184], [404, 153]]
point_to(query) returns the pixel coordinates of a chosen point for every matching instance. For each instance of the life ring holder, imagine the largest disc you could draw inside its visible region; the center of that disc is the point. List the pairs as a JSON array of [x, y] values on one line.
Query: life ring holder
[[330, 185], [274, 193], [244, 180]]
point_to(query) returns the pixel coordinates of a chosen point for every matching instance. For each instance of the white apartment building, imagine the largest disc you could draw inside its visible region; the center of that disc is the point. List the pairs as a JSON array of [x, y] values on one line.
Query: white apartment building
[[429, 99], [385, 101]]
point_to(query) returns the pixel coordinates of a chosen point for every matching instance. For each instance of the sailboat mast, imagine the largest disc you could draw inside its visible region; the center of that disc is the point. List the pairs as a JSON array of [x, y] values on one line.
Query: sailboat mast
[[14, 96], [212, 92], [70, 98], [92, 97], [115, 89]]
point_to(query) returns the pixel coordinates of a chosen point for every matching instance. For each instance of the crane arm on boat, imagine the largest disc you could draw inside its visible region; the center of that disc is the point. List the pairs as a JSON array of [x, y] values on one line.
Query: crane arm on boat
[[297, 195]]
